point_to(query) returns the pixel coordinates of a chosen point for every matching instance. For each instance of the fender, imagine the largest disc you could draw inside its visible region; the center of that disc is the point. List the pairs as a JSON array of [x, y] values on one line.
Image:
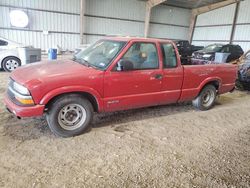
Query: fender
[[70, 89], [210, 79], [192, 93]]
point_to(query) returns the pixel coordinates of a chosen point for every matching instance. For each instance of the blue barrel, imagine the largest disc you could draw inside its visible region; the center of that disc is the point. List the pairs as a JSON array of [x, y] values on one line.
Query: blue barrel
[[52, 54]]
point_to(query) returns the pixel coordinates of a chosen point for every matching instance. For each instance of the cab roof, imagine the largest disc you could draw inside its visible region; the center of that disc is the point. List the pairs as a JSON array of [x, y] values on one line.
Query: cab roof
[[129, 38]]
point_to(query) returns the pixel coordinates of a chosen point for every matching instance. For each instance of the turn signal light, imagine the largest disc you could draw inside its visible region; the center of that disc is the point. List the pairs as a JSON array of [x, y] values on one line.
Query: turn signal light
[[25, 101]]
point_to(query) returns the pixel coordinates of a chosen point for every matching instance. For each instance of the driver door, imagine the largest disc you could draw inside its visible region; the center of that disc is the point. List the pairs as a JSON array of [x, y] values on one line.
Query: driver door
[[138, 87]]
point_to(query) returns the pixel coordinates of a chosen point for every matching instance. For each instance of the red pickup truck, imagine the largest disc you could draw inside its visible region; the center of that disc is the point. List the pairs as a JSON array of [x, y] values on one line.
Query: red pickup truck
[[113, 74]]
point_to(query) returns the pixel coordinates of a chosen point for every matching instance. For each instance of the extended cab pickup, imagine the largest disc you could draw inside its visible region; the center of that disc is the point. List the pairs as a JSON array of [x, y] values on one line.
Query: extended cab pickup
[[113, 74]]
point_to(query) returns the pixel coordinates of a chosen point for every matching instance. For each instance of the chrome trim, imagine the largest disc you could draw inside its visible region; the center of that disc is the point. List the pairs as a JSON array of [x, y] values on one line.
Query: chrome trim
[[19, 95]]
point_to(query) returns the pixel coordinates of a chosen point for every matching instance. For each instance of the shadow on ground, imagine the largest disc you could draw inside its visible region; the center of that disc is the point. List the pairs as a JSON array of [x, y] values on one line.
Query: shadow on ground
[[34, 128]]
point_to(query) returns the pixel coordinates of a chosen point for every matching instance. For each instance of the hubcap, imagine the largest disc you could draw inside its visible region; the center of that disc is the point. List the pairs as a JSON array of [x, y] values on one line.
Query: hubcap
[[11, 64], [208, 98], [72, 116]]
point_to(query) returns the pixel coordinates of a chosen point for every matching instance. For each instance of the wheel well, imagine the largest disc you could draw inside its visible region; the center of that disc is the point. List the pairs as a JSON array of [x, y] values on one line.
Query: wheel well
[[215, 83], [9, 57], [88, 96]]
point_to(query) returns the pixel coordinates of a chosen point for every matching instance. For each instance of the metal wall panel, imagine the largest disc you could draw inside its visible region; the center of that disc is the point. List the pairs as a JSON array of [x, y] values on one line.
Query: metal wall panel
[[54, 22], [4, 17], [42, 21], [103, 17], [135, 12], [244, 13], [171, 15], [113, 27], [242, 32], [169, 32], [127, 9], [212, 33], [219, 16], [224, 16], [38, 40], [72, 6]]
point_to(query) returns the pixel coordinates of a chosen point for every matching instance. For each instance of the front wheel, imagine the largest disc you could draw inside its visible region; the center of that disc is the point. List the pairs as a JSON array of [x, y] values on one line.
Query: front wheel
[[69, 115], [206, 98]]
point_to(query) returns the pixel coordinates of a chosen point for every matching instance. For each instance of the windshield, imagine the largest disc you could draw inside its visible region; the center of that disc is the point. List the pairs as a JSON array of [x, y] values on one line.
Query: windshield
[[213, 48], [100, 54]]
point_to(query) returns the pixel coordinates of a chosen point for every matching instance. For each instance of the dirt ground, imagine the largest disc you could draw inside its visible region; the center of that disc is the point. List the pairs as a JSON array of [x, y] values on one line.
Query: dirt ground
[[167, 146]]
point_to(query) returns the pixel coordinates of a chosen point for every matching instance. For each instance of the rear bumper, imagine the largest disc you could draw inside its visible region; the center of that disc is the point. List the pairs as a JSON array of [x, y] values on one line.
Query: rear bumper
[[23, 111], [227, 88]]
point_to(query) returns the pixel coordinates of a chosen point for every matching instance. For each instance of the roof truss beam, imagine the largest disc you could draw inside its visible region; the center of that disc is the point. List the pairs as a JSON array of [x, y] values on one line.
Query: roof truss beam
[[149, 5]]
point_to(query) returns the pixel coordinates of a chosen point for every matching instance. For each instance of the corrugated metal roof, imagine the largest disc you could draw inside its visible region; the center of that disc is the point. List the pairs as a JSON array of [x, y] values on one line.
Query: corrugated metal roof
[[190, 4]]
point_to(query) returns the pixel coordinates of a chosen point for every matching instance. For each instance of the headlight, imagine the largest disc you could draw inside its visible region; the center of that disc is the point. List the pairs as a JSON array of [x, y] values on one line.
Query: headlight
[[207, 55], [21, 89], [19, 94]]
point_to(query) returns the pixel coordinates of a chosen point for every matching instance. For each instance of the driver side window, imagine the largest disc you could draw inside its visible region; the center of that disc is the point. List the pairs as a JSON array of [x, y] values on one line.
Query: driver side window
[[3, 43], [142, 56]]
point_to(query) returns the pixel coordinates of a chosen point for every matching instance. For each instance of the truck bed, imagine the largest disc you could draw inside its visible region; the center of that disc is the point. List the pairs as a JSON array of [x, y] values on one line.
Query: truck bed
[[196, 76]]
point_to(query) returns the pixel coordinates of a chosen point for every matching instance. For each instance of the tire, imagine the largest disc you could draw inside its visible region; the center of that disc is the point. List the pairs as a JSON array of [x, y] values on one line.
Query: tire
[[69, 115], [239, 85], [11, 63], [206, 98]]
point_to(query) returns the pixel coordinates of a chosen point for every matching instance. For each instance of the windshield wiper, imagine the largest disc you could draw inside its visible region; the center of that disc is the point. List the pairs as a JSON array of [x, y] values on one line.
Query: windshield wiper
[[81, 61], [85, 62]]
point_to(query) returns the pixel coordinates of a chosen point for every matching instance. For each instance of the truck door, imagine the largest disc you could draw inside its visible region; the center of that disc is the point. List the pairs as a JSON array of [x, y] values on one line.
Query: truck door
[[172, 74], [138, 87]]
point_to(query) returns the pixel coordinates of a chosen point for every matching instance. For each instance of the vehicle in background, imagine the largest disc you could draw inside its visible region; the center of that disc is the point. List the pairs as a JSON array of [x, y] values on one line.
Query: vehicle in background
[[186, 49], [9, 57], [208, 53], [113, 74], [243, 80], [13, 54]]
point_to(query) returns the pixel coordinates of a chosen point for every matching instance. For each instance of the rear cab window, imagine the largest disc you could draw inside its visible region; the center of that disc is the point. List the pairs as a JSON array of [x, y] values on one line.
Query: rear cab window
[[168, 55]]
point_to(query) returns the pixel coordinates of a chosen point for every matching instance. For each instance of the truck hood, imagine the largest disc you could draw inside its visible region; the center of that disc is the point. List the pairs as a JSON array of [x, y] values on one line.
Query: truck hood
[[46, 71]]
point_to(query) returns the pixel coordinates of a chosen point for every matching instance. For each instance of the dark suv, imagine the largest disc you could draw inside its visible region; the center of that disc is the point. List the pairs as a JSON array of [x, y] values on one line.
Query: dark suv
[[208, 53], [185, 48]]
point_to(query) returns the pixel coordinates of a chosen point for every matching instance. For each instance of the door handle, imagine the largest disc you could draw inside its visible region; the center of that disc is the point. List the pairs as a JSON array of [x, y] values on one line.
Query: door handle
[[158, 76]]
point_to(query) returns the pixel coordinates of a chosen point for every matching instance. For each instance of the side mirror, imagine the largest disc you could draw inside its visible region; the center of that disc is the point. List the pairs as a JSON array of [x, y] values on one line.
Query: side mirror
[[125, 65]]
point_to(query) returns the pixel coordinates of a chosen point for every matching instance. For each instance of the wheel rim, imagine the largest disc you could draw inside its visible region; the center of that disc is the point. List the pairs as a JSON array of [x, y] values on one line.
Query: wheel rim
[[11, 64], [72, 116], [208, 98]]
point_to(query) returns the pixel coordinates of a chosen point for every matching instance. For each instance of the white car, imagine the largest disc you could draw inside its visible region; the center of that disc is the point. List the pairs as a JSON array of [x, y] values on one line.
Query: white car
[[9, 56]]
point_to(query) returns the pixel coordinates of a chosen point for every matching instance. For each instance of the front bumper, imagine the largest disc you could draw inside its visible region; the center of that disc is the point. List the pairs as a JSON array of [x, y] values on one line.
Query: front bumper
[[23, 111]]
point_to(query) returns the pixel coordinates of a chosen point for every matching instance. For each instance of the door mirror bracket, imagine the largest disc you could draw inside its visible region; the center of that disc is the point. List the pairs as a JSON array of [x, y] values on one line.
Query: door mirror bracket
[[124, 65]]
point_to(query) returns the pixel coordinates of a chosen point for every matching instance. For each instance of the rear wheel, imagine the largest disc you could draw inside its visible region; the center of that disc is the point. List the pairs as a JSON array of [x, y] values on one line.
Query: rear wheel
[[206, 98], [69, 115], [11, 63]]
